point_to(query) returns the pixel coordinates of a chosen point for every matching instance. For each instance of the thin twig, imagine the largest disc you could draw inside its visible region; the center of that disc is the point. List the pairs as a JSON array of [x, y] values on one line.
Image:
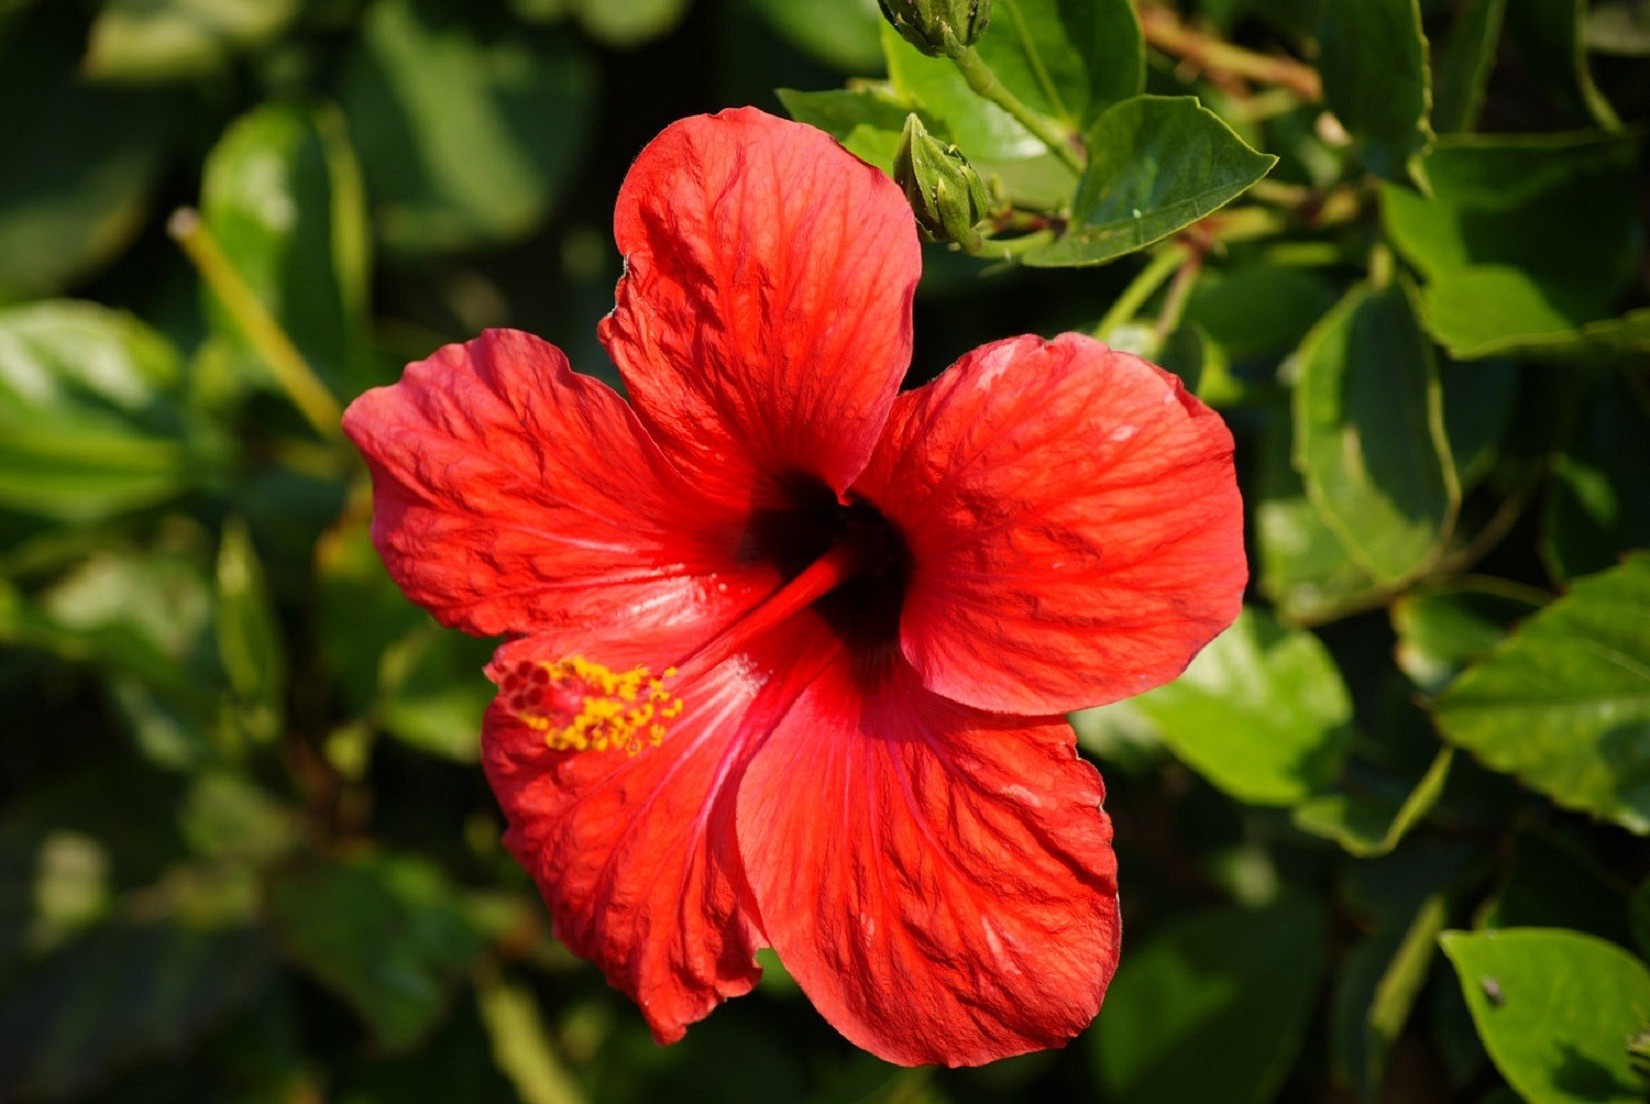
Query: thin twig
[[1217, 57]]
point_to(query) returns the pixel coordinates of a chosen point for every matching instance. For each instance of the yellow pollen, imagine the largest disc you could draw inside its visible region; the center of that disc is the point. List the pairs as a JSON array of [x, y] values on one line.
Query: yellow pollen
[[584, 706]]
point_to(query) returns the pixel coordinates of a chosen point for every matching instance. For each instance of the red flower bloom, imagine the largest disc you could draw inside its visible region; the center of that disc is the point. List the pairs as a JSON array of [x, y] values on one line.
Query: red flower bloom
[[789, 650]]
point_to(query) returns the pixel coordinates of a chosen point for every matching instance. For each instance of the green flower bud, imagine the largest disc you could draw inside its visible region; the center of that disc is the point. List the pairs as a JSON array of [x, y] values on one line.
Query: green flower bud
[[945, 192], [938, 27]]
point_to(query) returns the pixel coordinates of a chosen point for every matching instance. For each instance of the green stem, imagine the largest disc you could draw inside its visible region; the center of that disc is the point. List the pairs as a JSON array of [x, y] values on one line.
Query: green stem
[[268, 340], [992, 249], [1180, 290], [986, 85], [1140, 289]]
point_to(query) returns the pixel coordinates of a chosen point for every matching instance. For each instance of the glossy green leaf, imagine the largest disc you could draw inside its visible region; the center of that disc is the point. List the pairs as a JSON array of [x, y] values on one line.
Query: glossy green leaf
[[249, 638], [1524, 242], [1067, 59], [1261, 712], [1444, 627], [384, 933], [1304, 570], [160, 40], [866, 120], [466, 139], [282, 195], [1212, 1006], [1548, 35], [1464, 65], [89, 426], [1369, 434], [1563, 704], [1156, 165], [1373, 59], [1379, 986], [122, 994], [844, 33], [1367, 825], [1599, 504], [80, 159], [1555, 1009]]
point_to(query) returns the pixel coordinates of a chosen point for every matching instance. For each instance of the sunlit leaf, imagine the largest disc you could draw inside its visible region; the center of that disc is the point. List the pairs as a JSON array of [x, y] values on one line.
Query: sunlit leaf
[[1068, 61], [1261, 712], [1555, 1009], [1156, 165], [160, 40]]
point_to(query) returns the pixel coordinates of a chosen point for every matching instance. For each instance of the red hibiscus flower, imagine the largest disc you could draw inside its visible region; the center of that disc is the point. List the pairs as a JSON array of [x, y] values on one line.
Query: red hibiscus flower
[[788, 649]]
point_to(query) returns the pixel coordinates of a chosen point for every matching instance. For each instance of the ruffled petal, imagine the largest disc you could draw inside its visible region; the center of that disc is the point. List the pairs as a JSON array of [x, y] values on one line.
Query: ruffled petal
[[939, 880], [635, 855], [764, 319], [511, 495], [1073, 524]]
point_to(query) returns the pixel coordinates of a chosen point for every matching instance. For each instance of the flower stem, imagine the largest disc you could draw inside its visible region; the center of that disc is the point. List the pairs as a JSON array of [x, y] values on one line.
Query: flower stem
[[1140, 289], [1180, 290], [986, 85], [995, 249], [288, 365]]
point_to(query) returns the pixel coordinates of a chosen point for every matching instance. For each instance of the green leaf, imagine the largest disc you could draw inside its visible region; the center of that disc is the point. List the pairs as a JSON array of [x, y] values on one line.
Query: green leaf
[[1638, 916], [433, 692], [843, 33], [1550, 43], [1599, 503], [382, 932], [80, 161], [1564, 702], [1373, 58], [1480, 398], [1261, 712], [1260, 308], [1524, 242], [1464, 65], [467, 140], [249, 637], [119, 995], [1304, 570], [1369, 434], [1379, 983], [88, 423], [1555, 1009], [282, 195], [1618, 27], [1443, 627], [981, 129], [140, 41], [1065, 59], [1156, 165], [1212, 1007], [1368, 825], [866, 120]]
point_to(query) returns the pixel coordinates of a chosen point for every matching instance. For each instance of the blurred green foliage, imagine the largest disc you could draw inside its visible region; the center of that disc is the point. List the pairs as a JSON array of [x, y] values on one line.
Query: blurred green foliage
[[1383, 841]]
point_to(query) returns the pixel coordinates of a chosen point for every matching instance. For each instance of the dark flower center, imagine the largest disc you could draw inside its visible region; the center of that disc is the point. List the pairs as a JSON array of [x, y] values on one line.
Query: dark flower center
[[864, 608]]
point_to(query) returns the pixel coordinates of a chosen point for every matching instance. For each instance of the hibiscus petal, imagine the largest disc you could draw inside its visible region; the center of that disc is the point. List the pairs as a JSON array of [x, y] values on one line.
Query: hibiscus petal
[[511, 495], [1073, 524], [635, 856], [764, 319], [939, 880]]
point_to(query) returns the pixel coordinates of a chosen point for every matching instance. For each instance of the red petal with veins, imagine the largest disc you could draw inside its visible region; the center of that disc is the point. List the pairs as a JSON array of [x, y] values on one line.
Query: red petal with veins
[[1073, 524], [511, 495], [939, 880], [764, 320], [635, 856]]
